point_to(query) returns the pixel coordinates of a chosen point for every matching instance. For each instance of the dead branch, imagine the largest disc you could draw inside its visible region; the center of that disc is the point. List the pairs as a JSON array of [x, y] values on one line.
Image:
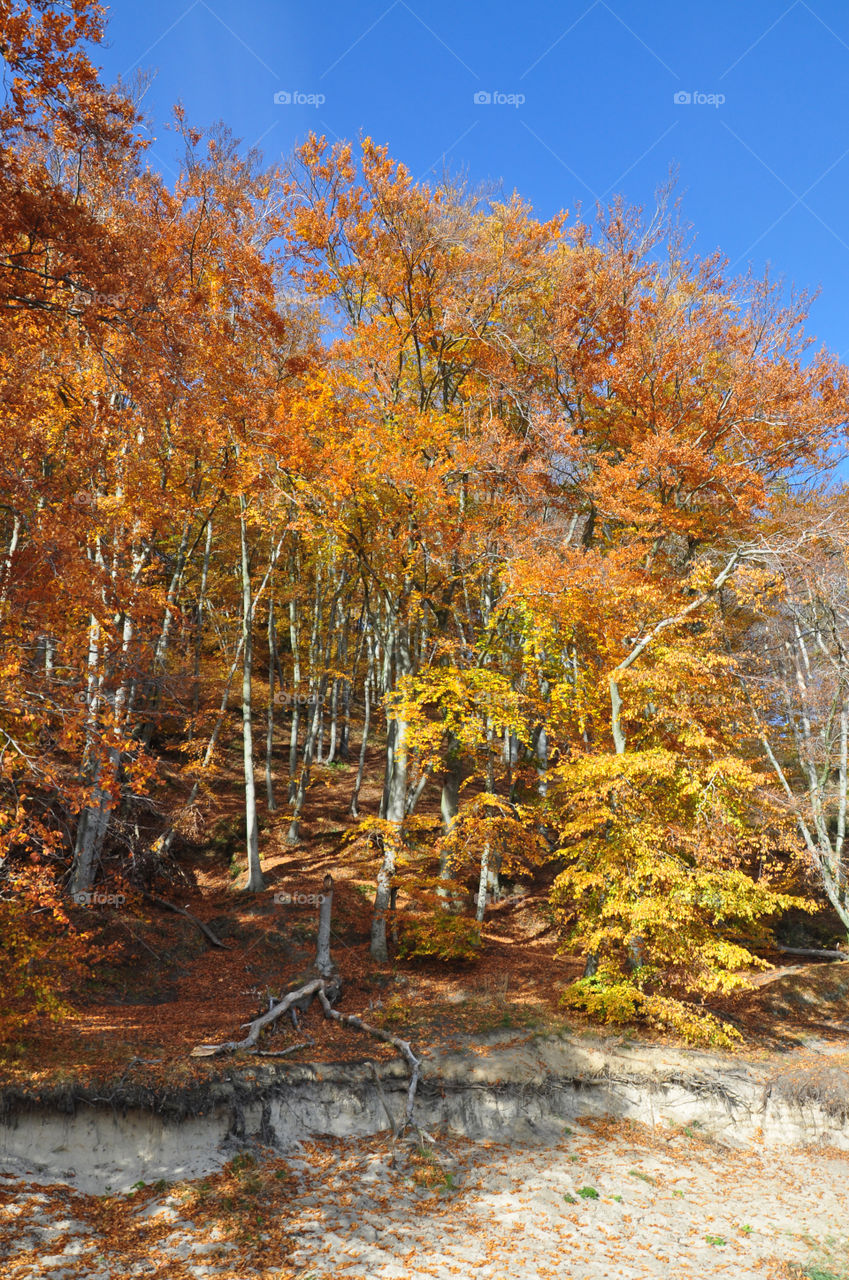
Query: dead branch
[[211, 937]]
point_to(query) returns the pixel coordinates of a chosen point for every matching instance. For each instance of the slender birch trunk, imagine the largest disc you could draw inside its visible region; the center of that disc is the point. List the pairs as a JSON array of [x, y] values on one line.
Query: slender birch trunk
[[345, 737], [6, 576], [204, 578], [296, 700], [361, 763], [293, 835], [255, 879], [94, 817], [483, 883], [269, 731], [334, 722], [396, 803], [319, 746]]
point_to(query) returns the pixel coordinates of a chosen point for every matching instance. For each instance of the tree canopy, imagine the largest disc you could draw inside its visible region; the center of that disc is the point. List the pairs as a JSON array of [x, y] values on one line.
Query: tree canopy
[[539, 509]]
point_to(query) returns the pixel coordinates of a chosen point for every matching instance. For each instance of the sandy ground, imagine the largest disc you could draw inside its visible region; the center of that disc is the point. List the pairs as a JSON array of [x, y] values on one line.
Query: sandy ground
[[610, 1199]]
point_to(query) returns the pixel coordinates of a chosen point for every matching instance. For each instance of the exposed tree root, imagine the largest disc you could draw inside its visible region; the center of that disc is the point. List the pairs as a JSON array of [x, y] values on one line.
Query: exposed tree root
[[327, 991], [256, 1027], [389, 1116], [284, 1053], [402, 1046]]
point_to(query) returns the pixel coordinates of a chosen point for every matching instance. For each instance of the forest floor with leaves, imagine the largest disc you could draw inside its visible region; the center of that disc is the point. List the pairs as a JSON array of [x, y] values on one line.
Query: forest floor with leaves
[[161, 989]]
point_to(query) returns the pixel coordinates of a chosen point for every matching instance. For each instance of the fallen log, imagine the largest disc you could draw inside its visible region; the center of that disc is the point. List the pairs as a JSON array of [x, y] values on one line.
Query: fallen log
[[813, 953]]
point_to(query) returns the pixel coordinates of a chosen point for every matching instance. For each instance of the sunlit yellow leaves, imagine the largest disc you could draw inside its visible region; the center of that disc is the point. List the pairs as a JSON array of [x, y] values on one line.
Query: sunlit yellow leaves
[[472, 705]]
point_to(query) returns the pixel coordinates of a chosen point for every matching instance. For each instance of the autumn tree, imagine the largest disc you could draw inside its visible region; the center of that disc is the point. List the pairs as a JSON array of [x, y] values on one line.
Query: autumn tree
[[427, 284], [787, 626], [695, 406]]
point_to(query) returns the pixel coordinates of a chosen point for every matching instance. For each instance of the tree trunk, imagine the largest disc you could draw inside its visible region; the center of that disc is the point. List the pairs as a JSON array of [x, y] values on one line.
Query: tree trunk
[[323, 961], [361, 764], [296, 701], [204, 578], [94, 818], [449, 801], [396, 803], [319, 744], [255, 880], [269, 731], [345, 739], [6, 576], [483, 883], [294, 833], [334, 723], [542, 761], [91, 834], [161, 648]]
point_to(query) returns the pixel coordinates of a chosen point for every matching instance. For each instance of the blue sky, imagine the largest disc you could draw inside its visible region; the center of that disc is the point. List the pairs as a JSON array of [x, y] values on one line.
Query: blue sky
[[587, 99]]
